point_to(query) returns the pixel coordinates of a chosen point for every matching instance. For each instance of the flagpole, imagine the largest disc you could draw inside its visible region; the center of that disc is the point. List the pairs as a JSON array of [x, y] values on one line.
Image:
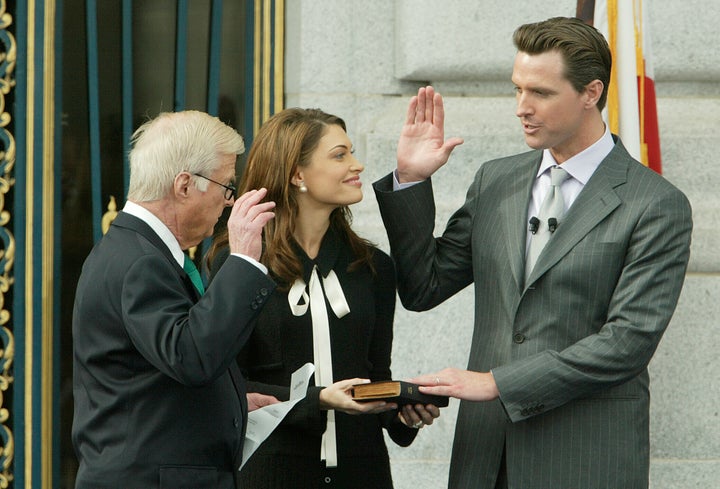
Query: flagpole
[[626, 64], [631, 110]]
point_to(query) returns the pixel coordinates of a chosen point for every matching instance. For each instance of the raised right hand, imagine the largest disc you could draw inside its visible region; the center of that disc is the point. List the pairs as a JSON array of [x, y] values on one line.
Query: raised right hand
[[421, 148], [245, 224]]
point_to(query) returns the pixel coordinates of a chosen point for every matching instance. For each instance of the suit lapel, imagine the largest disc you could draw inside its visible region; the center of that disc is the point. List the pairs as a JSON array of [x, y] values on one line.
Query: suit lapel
[[514, 207], [129, 221], [594, 203]]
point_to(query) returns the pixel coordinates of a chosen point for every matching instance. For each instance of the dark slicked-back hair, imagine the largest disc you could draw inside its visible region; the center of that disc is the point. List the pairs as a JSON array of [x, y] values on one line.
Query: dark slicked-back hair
[[585, 51]]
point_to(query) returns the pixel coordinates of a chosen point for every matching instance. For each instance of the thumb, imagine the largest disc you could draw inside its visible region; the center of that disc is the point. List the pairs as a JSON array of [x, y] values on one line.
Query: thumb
[[451, 143]]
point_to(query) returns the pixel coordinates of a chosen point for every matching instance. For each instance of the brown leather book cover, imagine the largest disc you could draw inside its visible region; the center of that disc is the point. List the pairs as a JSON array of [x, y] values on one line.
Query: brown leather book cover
[[397, 391]]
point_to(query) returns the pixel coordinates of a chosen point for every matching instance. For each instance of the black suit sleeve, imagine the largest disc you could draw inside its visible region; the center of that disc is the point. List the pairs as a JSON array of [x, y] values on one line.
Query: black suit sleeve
[[192, 343]]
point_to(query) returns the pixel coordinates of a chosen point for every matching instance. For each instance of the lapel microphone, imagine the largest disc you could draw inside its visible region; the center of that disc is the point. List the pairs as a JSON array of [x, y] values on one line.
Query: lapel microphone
[[552, 224], [534, 223]]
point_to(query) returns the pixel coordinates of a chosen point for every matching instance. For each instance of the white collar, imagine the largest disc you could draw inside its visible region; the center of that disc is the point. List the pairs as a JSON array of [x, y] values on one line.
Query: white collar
[[582, 166], [159, 227]]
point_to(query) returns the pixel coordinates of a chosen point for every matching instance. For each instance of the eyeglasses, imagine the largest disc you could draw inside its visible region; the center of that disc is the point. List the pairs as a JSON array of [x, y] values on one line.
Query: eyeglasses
[[230, 190]]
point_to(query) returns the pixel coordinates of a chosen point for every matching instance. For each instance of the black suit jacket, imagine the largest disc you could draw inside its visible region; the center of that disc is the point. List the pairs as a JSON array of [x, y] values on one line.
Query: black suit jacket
[[361, 345], [158, 400]]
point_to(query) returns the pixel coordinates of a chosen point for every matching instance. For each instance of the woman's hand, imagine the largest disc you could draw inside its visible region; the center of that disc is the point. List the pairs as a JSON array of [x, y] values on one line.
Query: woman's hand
[[418, 415], [338, 396]]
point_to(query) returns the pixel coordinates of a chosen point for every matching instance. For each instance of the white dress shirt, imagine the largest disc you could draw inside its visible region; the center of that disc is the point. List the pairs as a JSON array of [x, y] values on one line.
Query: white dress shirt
[[580, 168], [167, 236]]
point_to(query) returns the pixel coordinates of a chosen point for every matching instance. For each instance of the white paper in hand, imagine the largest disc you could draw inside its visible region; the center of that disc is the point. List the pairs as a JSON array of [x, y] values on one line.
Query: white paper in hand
[[263, 421]]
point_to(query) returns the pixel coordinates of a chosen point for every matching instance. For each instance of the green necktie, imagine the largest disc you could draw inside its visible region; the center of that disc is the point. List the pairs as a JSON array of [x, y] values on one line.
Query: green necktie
[[194, 275]]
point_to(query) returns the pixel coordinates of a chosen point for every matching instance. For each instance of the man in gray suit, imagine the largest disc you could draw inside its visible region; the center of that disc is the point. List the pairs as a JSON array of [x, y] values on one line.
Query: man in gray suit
[[159, 401], [558, 362]]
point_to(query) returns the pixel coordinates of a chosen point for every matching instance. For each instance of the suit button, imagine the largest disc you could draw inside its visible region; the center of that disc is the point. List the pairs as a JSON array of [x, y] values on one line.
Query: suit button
[[263, 292], [524, 412], [518, 338], [236, 422], [328, 480]]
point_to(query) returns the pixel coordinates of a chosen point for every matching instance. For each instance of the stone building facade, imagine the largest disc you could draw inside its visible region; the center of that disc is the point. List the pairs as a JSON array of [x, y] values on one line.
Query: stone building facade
[[364, 60]]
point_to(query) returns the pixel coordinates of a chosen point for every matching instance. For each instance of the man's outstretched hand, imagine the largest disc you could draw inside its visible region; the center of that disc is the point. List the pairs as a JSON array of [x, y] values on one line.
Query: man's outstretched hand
[[422, 148]]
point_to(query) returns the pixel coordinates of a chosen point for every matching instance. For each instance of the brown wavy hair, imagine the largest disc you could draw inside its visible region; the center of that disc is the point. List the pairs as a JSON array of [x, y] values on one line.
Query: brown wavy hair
[[285, 142]]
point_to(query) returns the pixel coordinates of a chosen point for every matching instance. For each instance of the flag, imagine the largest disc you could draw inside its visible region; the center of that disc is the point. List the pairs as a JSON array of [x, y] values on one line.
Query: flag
[[631, 110]]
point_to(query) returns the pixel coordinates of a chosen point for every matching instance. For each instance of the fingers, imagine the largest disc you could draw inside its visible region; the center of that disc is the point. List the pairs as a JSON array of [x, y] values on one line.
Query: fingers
[[449, 146], [420, 110], [438, 119], [370, 407], [408, 417], [461, 384], [417, 416], [438, 109], [438, 388], [250, 206], [412, 108], [338, 396], [364, 407], [433, 412], [348, 383], [257, 400], [426, 416], [439, 383], [427, 379], [426, 106], [247, 219], [430, 102]]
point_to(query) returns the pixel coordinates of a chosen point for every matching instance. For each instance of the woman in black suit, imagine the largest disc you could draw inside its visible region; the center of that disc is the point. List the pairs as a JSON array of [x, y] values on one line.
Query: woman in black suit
[[334, 307]]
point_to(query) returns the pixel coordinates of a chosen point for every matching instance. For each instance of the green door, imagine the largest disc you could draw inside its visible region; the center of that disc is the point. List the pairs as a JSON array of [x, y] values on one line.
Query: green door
[[76, 78]]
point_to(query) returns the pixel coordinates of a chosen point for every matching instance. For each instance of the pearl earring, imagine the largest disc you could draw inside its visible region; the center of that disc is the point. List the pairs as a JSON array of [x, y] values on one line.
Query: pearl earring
[[303, 188]]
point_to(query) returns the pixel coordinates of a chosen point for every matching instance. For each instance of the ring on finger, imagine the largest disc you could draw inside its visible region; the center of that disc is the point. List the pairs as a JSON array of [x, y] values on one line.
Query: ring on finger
[[418, 425], [437, 380]]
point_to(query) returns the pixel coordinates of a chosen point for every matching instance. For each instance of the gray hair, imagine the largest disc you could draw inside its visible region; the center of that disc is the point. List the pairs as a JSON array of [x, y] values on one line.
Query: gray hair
[[174, 142]]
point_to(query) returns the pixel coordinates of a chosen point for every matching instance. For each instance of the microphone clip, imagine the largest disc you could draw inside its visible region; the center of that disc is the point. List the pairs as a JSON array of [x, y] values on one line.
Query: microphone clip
[[552, 224], [534, 224]]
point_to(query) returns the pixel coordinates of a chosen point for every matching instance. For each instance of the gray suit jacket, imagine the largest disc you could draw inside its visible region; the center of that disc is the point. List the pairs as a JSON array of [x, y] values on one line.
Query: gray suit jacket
[[569, 350], [159, 400]]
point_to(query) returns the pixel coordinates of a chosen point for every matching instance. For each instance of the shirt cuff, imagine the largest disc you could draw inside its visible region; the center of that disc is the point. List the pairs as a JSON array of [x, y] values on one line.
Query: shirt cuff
[[399, 186], [253, 261]]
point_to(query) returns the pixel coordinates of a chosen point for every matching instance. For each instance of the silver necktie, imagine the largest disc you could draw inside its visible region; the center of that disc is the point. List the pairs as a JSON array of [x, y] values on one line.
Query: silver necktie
[[551, 211]]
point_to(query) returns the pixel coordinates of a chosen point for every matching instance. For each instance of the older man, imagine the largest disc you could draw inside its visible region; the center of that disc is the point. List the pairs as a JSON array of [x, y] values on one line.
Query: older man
[[159, 402]]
